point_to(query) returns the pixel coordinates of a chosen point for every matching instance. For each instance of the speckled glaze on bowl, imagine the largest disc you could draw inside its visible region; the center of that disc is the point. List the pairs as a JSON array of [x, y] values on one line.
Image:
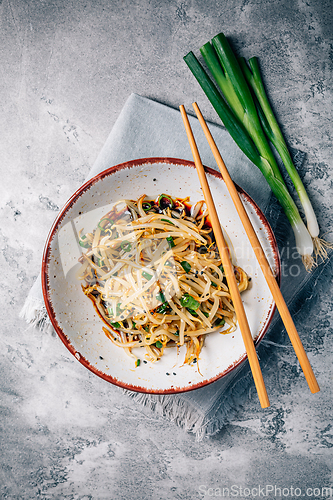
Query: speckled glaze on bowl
[[72, 313]]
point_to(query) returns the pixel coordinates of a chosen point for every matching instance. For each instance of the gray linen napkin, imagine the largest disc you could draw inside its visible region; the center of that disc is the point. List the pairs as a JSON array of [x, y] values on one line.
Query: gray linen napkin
[[146, 128]]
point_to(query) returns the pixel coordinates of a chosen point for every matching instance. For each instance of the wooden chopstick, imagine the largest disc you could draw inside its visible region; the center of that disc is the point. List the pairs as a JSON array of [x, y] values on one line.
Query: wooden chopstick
[[228, 268], [265, 267]]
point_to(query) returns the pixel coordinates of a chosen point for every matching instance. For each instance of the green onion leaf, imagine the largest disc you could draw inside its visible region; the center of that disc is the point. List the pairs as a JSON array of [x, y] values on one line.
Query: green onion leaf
[[146, 206], [170, 241], [126, 246], [160, 297], [163, 308], [146, 275], [186, 266], [137, 362], [189, 302], [165, 201], [166, 220], [116, 325], [159, 344], [102, 228]]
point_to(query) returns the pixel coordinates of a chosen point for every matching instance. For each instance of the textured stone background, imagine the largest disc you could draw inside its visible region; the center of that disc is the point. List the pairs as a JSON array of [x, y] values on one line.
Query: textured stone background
[[67, 68]]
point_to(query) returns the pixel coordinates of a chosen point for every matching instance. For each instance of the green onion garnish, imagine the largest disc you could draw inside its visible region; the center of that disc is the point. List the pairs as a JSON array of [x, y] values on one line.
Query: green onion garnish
[[116, 325], [159, 344], [170, 241], [160, 297], [163, 308], [189, 302], [146, 275], [126, 246], [186, 266], [165, 201], [137, 362], [110, 221], [146, 206], [166, 220], [84, 244]]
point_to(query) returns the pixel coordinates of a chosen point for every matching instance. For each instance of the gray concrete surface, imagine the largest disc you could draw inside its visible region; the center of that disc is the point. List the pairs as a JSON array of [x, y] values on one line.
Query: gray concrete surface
[[67, 68]]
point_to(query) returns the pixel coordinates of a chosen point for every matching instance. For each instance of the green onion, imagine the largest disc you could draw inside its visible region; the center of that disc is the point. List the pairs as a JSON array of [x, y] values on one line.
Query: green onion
[[110, 221], [219, 322], [191, 311], [116, 325], [165, 201], [110, 311], [163, 308], [239, 115], [83, 243], [166, 220], [126, 246], [160, 297], [189, 302], [159, 344], [186, 266], [146, 206], [170, 241], [146, 275], [274, 134], [137, 362]]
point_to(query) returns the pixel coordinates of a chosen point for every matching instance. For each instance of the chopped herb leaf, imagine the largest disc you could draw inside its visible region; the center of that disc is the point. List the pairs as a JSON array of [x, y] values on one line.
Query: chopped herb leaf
[[165, 201], [186, 266], [146, 275], [159, 344], [137, 362], [170, 241], [84, 244], [146, 206], [166, 220], [126, 246], [189, 302], [163, 308], [160, 296], [116, 325]]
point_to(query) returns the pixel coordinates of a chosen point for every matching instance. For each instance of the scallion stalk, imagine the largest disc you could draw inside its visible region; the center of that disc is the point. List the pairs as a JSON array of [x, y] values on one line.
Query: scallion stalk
[[274, 134], [238, 113]]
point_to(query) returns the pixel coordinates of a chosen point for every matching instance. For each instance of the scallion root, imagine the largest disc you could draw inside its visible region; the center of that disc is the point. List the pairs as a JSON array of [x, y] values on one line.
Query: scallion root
[[309, 262], [320, 247]]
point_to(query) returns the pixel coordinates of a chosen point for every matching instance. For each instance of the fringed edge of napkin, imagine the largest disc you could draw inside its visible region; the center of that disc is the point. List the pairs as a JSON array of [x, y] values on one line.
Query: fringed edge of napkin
[[186, 415], [35, 314]]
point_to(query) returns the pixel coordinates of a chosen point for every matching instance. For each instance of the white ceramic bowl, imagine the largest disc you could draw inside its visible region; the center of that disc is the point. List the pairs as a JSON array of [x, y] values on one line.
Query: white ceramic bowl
[[72, 313]]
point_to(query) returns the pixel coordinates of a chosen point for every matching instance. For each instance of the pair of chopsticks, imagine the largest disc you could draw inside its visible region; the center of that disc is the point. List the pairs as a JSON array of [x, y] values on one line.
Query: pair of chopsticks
[[228, 268]]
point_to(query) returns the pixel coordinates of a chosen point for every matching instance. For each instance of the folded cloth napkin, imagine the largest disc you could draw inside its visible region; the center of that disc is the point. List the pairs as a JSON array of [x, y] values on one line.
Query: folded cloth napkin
[[144, 129]]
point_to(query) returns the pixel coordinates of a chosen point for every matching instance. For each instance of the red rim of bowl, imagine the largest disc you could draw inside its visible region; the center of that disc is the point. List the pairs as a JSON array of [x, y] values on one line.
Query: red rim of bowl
[[45, 284]]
